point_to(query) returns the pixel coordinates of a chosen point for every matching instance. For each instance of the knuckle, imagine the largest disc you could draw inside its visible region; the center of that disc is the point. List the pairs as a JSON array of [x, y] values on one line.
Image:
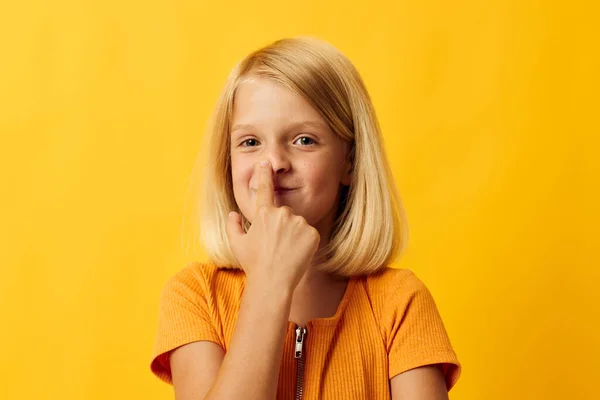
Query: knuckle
[[263, 211], [315, 233], [299, 219]]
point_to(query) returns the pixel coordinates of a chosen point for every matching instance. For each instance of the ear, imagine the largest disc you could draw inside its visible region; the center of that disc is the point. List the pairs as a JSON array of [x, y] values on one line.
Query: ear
[[346, 178], [347, 174]]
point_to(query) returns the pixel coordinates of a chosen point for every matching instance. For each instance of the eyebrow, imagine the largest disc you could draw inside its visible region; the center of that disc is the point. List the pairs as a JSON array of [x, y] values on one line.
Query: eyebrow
[[295, 125]]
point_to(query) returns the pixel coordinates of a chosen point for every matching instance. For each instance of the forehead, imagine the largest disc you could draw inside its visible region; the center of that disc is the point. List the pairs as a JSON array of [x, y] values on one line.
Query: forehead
[[261, 101]]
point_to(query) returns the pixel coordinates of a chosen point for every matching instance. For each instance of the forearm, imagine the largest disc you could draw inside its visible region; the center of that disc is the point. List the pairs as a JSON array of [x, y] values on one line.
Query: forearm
[[250, 369]]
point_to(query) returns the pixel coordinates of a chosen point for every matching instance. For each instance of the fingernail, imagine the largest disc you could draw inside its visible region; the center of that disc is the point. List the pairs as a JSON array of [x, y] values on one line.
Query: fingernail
[[264, 163]]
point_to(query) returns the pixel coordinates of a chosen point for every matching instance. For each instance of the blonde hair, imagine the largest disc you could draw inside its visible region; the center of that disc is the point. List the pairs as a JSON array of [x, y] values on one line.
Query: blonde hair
[[370, 228]]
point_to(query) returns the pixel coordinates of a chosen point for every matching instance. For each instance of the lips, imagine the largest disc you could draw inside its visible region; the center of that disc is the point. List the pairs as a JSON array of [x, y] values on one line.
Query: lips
[[283, 190], [279, 189]]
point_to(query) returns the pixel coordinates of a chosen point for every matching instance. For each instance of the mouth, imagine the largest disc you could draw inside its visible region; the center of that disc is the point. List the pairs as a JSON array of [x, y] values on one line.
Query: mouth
[[280, 191]]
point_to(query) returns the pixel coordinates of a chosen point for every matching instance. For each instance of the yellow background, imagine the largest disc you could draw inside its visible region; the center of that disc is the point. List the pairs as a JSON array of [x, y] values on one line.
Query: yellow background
[[489, 111]]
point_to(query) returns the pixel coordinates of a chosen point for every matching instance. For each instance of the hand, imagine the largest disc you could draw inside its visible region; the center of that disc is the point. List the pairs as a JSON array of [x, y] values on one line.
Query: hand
[[279, 246]]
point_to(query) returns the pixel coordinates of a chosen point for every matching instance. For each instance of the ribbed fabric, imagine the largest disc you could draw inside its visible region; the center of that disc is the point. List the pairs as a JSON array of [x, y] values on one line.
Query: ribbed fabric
[[386, 323]]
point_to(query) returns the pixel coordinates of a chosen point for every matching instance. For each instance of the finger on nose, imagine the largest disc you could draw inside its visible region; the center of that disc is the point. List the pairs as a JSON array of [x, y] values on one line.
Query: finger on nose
[[265, 195]]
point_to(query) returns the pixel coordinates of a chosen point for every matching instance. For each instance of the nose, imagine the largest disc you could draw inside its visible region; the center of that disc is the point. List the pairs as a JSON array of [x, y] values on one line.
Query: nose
[[279, 158]]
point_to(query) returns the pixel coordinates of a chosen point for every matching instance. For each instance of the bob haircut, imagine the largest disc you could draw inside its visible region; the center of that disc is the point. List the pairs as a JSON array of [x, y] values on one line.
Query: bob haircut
[[370, 228]]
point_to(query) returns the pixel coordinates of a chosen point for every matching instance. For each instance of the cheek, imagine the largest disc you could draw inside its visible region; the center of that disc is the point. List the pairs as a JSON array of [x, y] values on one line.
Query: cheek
[[323, 176], [241, 174]]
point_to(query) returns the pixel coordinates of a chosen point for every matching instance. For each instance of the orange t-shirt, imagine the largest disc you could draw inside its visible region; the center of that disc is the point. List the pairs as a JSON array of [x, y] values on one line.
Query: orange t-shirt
[[386, 323]]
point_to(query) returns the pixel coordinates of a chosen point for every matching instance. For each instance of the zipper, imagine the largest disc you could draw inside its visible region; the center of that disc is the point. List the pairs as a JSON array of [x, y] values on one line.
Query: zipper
[[299, 355]]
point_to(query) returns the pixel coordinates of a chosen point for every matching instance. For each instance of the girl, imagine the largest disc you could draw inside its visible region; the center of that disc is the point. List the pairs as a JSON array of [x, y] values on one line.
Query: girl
[[301, 220]]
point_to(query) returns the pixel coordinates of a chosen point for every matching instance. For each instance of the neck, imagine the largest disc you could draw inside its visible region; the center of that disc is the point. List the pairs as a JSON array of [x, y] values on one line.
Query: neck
[[314, 276], [317, 295]]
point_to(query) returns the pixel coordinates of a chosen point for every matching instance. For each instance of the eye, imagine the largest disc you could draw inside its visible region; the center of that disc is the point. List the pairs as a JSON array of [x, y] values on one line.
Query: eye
[[249, 143], [306, 141]]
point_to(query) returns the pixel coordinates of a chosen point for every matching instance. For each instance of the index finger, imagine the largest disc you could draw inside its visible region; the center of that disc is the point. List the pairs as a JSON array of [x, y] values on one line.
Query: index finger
[[264, 194]]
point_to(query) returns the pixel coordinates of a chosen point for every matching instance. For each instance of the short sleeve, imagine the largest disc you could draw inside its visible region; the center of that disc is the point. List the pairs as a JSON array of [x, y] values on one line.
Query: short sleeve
[[185, 315], [414, 331]]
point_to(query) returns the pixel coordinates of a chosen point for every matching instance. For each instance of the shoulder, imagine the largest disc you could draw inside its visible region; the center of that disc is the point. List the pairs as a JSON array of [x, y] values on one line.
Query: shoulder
[[394, 292], [201, 280], [195, 272], [394, 282], [410, 324], [194, 304]]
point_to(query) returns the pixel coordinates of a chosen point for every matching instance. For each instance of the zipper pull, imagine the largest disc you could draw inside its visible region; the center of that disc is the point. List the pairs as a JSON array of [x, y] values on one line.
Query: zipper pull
[[300, 336]]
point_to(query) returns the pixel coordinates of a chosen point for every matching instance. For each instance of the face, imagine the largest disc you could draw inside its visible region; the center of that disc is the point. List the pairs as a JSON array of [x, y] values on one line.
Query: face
[[309, 161]]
